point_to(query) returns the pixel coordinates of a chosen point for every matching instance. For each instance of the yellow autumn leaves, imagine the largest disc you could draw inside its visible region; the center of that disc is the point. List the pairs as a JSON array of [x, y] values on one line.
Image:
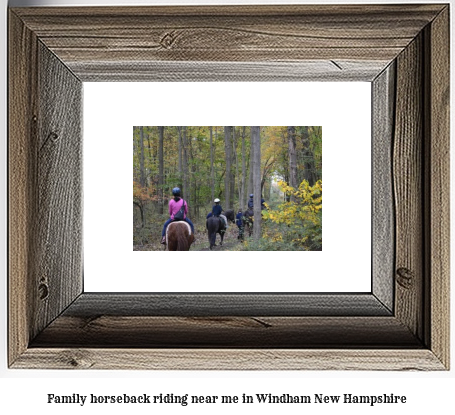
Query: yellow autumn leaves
[[302, 216]]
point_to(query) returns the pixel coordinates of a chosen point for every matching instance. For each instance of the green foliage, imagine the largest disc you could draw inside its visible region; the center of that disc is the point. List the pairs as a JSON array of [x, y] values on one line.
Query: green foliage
[[293, 225], [298, 222], [265, 244]]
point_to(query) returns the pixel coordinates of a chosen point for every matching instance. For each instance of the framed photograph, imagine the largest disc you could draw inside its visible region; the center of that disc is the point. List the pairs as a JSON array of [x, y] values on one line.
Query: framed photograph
[[401, 323], [343, 108]]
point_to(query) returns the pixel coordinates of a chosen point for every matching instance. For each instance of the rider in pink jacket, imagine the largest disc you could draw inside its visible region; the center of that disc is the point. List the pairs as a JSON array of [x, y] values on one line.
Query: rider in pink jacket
[[174, 206]]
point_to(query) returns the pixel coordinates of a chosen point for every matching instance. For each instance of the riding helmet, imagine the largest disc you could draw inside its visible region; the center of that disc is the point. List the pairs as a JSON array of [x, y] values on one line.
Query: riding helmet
[[251, 195], [176, 191], [217, 200]]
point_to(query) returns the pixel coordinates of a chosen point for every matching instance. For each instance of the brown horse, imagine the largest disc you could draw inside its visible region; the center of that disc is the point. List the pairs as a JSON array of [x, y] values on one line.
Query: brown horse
[[179, 236]]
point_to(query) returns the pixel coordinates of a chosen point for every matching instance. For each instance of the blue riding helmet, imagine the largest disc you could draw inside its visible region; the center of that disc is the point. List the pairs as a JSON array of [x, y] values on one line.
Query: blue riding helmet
[[176, 191], [251, 195]]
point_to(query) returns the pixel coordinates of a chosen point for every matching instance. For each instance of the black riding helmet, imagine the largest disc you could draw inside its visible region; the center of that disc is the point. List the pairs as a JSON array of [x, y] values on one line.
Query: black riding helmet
[[176, 191]]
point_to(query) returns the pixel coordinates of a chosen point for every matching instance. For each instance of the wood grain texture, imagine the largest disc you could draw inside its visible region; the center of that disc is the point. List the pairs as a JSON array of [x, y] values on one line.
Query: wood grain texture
[[229, 359], [383, 215], [89, 305], [227, 34], [53, 49], [22, 95], [309, 71], [439, 190], [408, 188], [45, 187], [258, 332], [58, 244]]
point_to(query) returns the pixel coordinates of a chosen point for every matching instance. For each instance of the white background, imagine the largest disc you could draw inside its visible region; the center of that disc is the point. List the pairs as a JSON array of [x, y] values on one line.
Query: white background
[[343, 109], [25, 391]]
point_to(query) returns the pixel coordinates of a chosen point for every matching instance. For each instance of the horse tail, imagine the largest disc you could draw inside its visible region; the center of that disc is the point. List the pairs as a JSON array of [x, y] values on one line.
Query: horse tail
[[212, 228], [179, 238], [182, 240]]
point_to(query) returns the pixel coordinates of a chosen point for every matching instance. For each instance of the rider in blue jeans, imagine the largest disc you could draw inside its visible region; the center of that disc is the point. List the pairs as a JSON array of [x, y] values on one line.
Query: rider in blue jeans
[[174, 206]]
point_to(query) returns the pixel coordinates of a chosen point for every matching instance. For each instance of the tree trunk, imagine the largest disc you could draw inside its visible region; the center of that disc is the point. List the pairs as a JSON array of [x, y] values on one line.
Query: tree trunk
[[268, 168], [142, 168], [292, 160], [285, 161], [192, 199], [149, 148], [250, 170], [233, 161], [180, 166], [136, 167], [227, 177], [185, 190], [309, 170], [161, 170], [142, 212], [242, 187], [215, 169], [212, 172], [256, 140]]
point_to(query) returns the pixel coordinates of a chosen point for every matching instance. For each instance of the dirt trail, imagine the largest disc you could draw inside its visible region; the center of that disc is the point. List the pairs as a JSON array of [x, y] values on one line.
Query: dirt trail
[[227, 246], [231, 243]]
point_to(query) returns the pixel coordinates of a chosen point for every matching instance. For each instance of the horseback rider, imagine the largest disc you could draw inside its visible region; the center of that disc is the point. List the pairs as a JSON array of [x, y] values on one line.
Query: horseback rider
[[175, 205], [239, 223], [217, 211], [263, 204], [251, 204]]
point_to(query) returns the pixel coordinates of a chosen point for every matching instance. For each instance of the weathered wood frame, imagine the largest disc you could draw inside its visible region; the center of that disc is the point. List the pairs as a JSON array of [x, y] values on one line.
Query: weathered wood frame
[[403, 50]]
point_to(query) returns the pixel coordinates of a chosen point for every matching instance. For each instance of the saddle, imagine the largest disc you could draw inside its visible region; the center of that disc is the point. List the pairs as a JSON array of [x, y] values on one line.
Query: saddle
[[224, 219]]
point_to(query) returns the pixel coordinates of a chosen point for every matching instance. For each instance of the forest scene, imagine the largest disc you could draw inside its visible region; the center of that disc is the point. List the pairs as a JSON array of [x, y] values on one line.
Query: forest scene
[[265, 181]]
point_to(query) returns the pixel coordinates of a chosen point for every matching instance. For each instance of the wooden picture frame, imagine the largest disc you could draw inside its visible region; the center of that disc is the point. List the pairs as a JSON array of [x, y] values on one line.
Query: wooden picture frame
[[403, 324]]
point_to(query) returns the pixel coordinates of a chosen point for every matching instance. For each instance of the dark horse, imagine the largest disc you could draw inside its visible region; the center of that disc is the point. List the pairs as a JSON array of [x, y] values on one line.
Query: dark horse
[[179, 236], [215, 225], [230, 215], [247, 220]]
